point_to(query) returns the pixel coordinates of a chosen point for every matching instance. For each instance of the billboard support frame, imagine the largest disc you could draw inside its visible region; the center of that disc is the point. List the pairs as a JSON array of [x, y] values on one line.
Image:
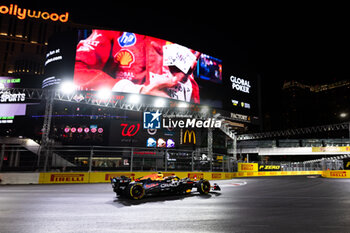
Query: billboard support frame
[[131, 158], [45, 140], [210, 147], [90, 159]]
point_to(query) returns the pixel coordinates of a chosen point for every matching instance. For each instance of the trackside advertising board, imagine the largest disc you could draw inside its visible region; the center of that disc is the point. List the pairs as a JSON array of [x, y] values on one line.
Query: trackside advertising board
[[104, 177], [247, 167]]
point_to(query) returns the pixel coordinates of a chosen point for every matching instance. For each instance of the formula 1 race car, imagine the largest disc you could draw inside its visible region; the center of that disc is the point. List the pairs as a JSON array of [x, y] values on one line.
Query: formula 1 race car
[[157, 184]]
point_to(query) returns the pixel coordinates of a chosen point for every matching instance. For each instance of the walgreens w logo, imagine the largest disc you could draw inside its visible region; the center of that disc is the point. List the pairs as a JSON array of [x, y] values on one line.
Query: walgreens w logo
[[129, 130]]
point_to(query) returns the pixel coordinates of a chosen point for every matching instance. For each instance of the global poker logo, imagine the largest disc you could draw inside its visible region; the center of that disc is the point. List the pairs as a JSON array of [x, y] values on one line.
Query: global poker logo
[[151, 120]]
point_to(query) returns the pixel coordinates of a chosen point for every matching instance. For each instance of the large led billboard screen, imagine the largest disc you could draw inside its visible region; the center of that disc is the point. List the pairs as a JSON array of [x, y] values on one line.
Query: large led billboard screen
[[129, 62], [133, 63]]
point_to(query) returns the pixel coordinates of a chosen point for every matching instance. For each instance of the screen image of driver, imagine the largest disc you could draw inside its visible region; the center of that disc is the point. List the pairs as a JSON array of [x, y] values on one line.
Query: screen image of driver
[[133, 63]]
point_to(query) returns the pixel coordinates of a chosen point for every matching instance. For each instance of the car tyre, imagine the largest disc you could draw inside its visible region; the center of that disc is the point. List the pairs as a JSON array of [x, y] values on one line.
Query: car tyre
[[203, 187], [135, 191]]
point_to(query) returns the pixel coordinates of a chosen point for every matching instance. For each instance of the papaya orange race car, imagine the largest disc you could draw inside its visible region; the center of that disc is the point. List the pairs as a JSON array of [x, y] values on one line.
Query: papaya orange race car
[[157, 184]]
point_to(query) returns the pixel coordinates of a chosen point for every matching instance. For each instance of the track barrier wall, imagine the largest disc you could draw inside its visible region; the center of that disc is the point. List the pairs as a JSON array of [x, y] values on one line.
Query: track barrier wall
[[104, 177], [19, 178]]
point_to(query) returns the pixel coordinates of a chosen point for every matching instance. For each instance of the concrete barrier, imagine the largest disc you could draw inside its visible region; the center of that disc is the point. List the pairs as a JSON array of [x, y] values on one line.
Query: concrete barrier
[[19, 178], [276, 173], [104, 177]]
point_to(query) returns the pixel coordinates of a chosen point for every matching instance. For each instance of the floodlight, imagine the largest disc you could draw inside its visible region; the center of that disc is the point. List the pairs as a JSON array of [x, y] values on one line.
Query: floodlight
[[183, 105], [104, 93], [68, 87], [343, 114], [134, 99], [159, 103]]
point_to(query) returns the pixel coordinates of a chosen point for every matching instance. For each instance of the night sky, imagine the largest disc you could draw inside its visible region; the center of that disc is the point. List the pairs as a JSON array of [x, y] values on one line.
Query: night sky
[[277, 42]]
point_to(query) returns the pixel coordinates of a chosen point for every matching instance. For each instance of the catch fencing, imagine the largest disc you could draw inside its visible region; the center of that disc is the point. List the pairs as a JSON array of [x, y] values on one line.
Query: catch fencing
[[106, 158]]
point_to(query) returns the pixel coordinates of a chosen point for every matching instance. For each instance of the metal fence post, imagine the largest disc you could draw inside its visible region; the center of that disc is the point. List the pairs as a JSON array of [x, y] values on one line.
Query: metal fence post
[[210, 147], [192, 161], [2, 155], [234, 145], [45, 143], [223, 164], [166, 160], [229, 165], [17, 158], [90, 160], [131, 159]]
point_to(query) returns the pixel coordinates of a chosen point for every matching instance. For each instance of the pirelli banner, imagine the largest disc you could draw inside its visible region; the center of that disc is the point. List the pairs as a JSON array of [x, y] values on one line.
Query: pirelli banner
[[267, 168], [64, 178], [248, 167], [104, 177], [336, 174], [277, 173]]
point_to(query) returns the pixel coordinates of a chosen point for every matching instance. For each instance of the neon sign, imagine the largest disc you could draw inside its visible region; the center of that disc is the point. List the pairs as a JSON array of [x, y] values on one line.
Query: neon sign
[[130, 131], [22, 13]]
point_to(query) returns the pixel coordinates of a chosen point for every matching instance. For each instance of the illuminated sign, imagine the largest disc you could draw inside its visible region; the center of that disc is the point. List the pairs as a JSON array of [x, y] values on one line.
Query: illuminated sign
[[240, 84], [151, 142], [8, 82], [7, 97], [190, 134], [240, 117], [192, 123], [55, 55], [129, 131], [161, 142], [6, 120], [68, 129], [22, 13], [170, 143], [243, 104], [151, 120]]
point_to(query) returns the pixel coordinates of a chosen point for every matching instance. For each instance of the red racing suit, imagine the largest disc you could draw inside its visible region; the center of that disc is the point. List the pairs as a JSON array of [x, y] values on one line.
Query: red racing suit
[[107, 57]]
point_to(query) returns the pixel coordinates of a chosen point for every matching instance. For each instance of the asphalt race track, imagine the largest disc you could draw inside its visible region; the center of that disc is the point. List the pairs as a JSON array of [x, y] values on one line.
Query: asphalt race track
[[280, 204]]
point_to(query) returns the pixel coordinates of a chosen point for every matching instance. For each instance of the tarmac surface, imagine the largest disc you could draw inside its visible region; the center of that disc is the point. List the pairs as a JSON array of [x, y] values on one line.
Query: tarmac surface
[[278, 204]]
